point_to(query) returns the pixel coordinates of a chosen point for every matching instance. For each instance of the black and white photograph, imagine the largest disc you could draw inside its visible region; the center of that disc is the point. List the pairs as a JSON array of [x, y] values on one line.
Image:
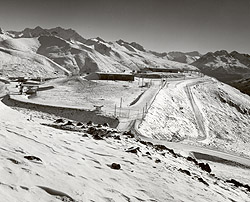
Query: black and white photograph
[[124, 100]]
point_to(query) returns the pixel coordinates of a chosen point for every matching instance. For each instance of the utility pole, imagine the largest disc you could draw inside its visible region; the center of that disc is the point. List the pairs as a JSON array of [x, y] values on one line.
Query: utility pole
[[120, 106], [121, 103]]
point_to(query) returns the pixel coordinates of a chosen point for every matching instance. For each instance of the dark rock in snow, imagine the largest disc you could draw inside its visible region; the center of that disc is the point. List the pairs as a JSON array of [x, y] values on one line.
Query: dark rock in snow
[[63, 196], [79, 124], [205, 167], [91, 130], [99, 125], [85, 135], [59, 121], [106, 125], [129, 134], [189, 158], [69, 123], [133, 150], [116, 166], [203, 181], [185, 171], [97, 137], [32, 158], [239, 184], [13, 161], [90, 123], [117, 137], [160, 147]]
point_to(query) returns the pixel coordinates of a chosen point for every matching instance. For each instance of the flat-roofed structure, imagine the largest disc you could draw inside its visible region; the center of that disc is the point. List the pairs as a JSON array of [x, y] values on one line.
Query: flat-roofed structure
[[110, 76]]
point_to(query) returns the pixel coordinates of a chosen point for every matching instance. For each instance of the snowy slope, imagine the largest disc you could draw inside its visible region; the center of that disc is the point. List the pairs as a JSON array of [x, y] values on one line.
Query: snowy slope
[[224, 110], [40, 163]]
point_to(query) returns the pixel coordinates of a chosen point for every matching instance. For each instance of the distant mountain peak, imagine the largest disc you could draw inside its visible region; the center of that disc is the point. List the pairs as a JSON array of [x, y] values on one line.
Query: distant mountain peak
[[137, 46], [221, 52], [2, 31], [188, 57], [67, 34]]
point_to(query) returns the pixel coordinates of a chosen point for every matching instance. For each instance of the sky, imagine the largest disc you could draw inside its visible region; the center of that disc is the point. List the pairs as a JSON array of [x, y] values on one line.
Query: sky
[[159, 25]]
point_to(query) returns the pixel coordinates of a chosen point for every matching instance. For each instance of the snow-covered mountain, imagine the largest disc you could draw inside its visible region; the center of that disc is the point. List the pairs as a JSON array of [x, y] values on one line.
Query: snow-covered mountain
[[18, 57], [66, 34], [77, 55], [225, 66], [188, 57]]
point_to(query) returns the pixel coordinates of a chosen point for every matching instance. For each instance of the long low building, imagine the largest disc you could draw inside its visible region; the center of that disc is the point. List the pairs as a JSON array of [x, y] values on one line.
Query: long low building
[[110, 76], [167, 70]]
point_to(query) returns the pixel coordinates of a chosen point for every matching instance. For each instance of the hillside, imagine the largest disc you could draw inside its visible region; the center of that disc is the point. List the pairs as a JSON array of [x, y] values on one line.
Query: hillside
[[69, 50], [18, 57], [42, 163], [53, 159], [223, 111]]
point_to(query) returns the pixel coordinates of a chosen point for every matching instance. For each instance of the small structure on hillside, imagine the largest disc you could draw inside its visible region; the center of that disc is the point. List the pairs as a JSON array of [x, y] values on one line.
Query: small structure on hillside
[[110, 76], [98, 108]]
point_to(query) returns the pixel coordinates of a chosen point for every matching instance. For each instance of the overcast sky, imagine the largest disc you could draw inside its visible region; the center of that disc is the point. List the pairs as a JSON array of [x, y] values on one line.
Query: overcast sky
[[160, 25]]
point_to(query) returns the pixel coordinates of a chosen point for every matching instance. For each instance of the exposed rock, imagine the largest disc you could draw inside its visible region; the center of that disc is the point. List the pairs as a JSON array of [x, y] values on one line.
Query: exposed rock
[[97, 137], [205, 167], [129, 134], [203, 181], [99, 125], [116, 166], [117, 137], [63, 196], [106, 125], [85, 135], [91, 130], [133, 150], [59, 121], [69, 123], [189, 158], [160, 147], [32, 158], [90, 123], [239, 184], [79, 124], [184, 171], [13, 161]]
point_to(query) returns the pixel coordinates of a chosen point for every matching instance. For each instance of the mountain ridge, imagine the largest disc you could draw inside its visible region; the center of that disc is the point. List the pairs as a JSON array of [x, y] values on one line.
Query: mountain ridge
[[79, 55]]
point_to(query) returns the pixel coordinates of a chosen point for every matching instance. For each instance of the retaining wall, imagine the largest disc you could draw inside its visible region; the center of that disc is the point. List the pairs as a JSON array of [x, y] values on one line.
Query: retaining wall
[[76, 114]]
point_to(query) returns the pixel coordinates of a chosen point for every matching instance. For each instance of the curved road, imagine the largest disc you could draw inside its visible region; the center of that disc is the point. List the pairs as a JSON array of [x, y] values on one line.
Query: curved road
[[198, 152], [197, 113]]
